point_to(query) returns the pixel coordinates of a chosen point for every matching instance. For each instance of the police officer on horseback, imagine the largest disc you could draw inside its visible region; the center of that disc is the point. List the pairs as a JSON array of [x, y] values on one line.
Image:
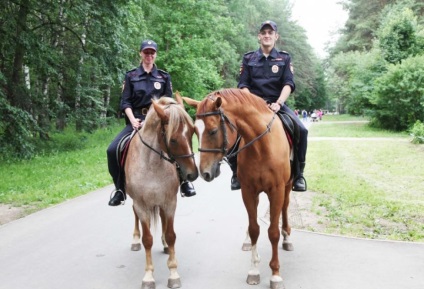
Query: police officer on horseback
[[140, 86], [268, 73]]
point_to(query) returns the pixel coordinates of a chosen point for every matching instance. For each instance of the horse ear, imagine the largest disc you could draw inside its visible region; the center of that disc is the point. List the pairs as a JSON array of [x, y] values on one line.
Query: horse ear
[[218, 102], [160, 111], [191, 102]]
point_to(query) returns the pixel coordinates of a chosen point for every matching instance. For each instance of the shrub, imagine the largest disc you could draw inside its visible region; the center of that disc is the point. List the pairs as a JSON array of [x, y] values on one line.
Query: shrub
[[417, 132]]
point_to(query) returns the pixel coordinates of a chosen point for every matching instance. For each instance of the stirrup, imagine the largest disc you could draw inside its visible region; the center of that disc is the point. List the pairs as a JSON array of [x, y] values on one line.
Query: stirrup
[[115, 192]]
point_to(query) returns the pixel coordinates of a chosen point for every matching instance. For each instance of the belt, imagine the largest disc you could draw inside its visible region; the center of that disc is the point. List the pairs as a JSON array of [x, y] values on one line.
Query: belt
[[141, 110]]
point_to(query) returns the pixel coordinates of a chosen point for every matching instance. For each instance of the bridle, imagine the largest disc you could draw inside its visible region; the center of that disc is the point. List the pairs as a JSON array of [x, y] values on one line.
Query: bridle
[[223, 120], [171, 157]]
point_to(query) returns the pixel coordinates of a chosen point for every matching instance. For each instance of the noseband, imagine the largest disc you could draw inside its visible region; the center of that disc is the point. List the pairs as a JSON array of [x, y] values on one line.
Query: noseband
[[223, 120]]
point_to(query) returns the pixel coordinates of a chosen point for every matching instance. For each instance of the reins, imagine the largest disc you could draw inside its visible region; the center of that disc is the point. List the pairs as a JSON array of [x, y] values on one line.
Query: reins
[[171, 158], [225, 119]]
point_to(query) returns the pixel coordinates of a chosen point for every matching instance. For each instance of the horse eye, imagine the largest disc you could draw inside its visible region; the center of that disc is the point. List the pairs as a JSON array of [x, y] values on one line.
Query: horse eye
[[173, 141], [213, 132]]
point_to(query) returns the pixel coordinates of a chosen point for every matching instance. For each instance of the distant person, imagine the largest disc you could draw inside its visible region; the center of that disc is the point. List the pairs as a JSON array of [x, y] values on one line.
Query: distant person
[[141, 85], [304, 115], [268, 73]]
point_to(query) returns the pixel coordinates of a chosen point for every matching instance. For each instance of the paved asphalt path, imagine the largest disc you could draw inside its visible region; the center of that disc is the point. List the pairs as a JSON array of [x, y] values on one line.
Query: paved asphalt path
[[85, 244]]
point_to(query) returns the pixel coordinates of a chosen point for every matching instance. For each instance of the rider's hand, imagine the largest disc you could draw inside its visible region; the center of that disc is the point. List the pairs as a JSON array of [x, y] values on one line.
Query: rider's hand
[[136, 123], [275, 107]]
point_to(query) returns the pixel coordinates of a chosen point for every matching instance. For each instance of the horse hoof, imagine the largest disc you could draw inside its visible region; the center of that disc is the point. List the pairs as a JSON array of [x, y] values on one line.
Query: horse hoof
[[288, 247], [246, 247], [174, 283], [277, 284], [135, 247], [166, 250], [148, 285], [253, 279]]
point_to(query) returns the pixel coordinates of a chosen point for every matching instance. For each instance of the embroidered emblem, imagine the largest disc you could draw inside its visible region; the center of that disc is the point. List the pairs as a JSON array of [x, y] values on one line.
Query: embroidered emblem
[[157, 85], [274, 68], [291, 68]]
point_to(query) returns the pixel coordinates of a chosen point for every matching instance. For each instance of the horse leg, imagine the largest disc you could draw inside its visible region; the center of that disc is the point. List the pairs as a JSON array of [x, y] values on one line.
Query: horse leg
[[136, 245], [147, 239], [247, 244], [286, 229], [174, 280], [253, 276], [274, 238], [164, 222]]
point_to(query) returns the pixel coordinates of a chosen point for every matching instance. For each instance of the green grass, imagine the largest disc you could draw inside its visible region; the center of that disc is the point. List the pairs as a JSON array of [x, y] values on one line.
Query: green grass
[[53, 177], [368, 187]]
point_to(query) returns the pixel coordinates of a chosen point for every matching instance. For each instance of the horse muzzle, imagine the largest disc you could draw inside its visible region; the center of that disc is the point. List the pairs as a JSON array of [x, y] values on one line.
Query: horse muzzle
[[212, 172]]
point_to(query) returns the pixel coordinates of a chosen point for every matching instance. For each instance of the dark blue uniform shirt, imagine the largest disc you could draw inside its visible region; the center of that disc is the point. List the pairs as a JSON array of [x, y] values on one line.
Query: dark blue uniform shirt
[[266, 76], [140, 87]]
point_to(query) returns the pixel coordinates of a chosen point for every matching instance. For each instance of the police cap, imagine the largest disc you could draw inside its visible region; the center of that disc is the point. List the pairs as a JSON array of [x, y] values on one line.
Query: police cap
[[269, 23], [148, 44]]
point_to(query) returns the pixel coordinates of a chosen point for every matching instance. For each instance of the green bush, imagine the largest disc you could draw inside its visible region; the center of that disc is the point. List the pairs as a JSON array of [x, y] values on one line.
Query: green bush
[[417, 132], [399, 95]]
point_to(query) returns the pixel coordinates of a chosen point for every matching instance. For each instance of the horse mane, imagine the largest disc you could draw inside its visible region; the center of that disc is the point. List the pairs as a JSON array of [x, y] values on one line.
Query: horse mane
[[177, 115], [235, 95]]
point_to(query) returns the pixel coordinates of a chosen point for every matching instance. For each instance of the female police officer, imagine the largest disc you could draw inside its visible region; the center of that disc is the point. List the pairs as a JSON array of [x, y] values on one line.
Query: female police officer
[[267, 73], [141, 85]]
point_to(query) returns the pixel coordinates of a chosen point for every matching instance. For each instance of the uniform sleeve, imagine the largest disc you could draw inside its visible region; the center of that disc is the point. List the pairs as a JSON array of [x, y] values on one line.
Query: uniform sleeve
[[245, 77], [168, 86], [126, 94], [288, 77]]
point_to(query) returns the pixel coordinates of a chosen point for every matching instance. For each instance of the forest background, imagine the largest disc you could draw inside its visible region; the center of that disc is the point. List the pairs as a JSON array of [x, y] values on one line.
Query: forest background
[[62, 62]]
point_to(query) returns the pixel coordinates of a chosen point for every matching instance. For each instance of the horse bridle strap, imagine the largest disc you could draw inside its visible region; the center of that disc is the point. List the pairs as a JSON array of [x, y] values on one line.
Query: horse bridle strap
[[224, 119], [172, 158]]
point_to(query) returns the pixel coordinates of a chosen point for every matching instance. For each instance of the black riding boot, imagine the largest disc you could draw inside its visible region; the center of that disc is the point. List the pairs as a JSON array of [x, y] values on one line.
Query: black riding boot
[[118, 198], [235, 184], [187, 189], [299, 184]]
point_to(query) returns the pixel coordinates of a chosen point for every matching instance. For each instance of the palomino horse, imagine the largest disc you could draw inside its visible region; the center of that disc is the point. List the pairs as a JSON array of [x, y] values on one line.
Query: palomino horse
[[263, 161], [158, 156]]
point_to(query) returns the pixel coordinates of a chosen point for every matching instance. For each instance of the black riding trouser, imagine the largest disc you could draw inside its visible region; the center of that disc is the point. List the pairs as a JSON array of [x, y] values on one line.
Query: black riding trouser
[[301, 147]]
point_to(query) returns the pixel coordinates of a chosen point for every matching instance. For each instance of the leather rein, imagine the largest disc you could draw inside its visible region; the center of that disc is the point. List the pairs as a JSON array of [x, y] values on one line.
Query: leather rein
[[171, 157], [223, 120]]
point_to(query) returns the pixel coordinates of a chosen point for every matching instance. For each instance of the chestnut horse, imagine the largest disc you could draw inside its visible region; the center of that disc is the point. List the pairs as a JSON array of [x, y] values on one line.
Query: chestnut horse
[[159, 154], [263, 162]]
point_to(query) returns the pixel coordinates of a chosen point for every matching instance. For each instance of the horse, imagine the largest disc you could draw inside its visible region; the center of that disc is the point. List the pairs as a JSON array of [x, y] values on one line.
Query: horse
[[159, 156], [263, 159]]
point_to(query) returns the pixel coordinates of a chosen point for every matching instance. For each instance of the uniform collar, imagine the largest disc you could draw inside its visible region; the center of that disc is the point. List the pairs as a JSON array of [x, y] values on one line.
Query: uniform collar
[[154, 71], [273, 54]]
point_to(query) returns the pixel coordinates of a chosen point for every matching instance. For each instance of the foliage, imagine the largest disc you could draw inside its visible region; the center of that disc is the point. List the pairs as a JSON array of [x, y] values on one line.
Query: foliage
[[397, 34], [417, 132], [399, 95]]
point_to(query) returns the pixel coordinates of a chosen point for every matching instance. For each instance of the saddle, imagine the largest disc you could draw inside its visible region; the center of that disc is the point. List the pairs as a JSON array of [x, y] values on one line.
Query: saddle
[[293, 135], [122, 149]]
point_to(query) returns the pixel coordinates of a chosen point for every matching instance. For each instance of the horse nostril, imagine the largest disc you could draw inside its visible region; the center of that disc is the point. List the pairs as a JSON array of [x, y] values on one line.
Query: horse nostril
[[206, 176]]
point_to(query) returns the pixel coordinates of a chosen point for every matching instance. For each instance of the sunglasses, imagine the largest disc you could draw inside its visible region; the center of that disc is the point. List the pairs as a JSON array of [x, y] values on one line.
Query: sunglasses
[[149, 52]]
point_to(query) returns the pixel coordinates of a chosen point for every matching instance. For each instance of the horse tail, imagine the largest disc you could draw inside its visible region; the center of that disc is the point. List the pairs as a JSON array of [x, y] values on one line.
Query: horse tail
[[154, 216]]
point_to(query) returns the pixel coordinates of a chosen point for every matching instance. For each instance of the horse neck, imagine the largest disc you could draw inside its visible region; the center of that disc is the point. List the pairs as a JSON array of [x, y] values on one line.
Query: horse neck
[[250, 122]]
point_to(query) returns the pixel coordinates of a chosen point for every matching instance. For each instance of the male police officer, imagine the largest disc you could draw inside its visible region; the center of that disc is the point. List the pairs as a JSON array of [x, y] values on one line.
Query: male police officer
[[268, 73]]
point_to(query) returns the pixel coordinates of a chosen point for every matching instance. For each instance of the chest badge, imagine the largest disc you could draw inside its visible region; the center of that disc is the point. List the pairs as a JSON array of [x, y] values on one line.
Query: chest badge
[[157, 85], [274, 68]]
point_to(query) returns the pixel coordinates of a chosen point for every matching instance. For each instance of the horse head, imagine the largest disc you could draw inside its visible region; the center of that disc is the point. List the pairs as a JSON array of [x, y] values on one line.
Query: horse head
[[175, 135], [216, 132]]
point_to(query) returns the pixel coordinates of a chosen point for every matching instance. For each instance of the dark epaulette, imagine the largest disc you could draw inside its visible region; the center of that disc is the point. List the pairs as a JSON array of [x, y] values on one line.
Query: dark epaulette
[[283, 51], [248, 54], [163, 73], [132, 71]]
